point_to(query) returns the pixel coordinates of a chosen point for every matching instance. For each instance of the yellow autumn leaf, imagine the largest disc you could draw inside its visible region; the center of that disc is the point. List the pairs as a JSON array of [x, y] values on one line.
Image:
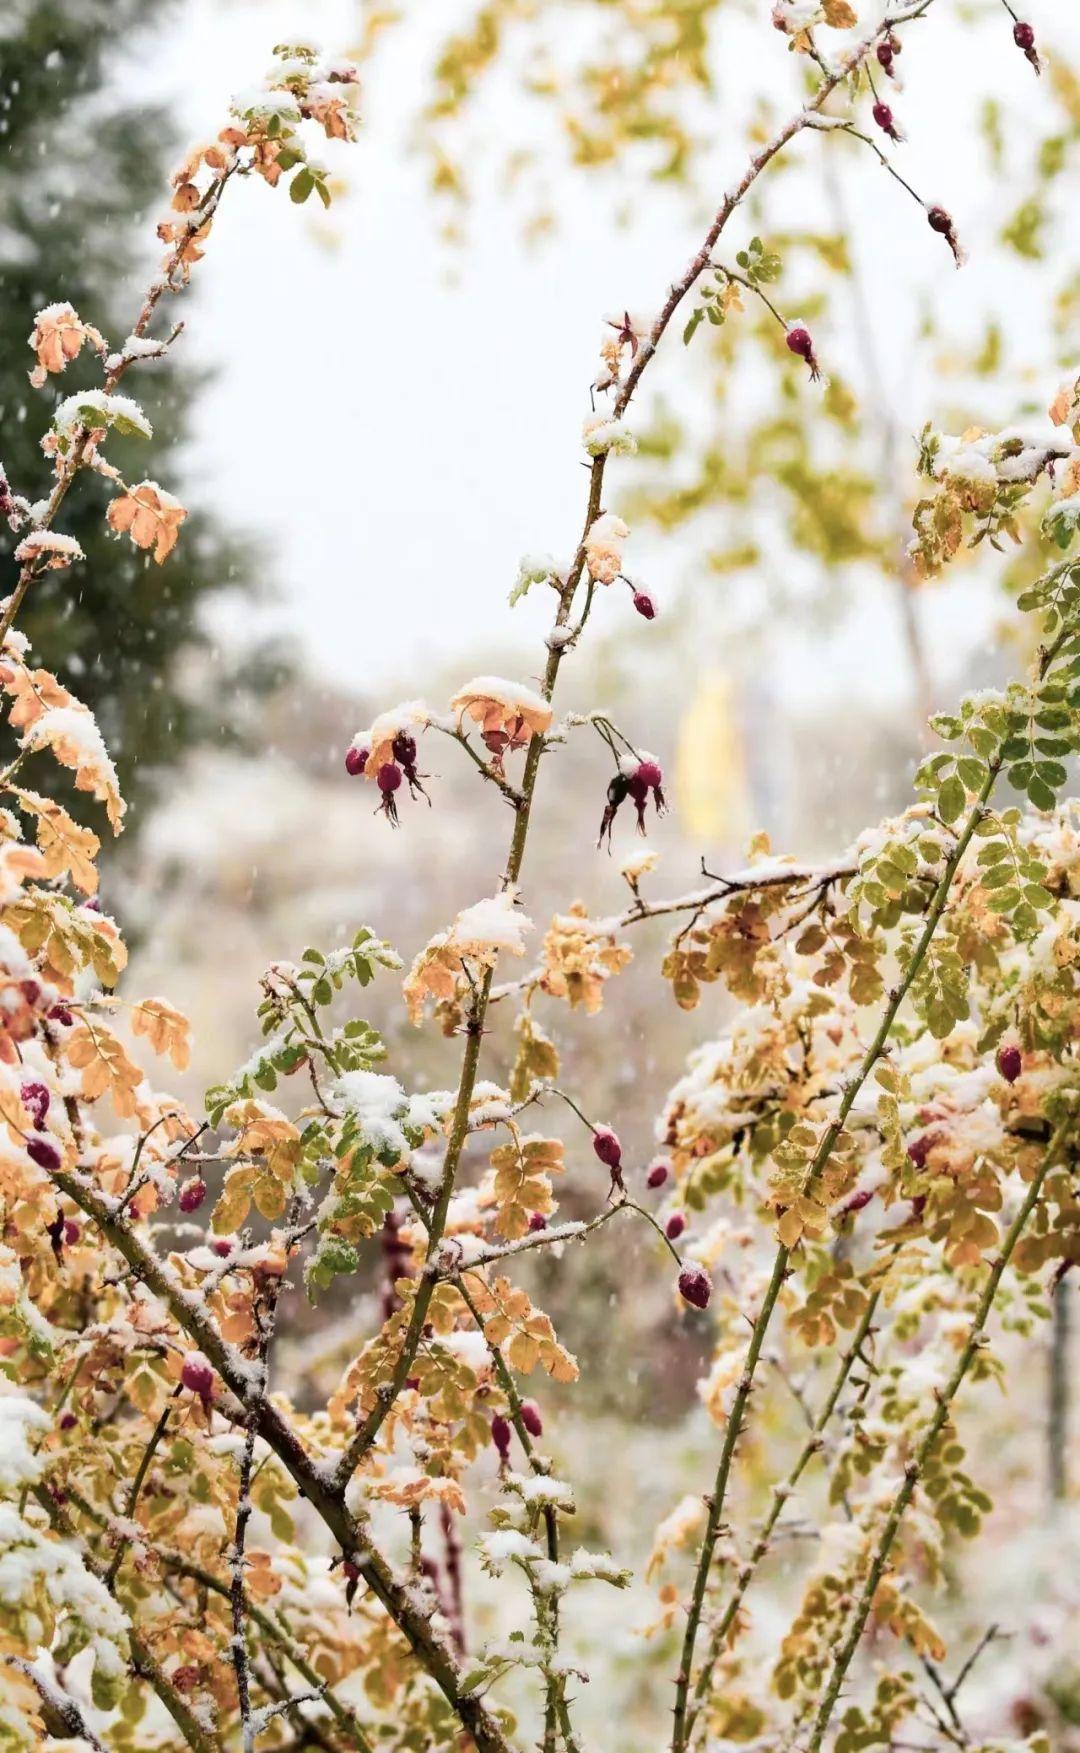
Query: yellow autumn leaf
[[68, 849], [166, 1029], [105, 1066], [263, 1130]]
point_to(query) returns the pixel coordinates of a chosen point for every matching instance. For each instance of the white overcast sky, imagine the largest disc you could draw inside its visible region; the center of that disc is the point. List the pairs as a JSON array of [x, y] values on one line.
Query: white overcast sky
[[401, 422]]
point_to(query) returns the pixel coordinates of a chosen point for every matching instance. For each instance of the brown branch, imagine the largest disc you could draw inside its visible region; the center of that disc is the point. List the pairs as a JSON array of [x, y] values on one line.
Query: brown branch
[[143, 1664], [315, 1481]]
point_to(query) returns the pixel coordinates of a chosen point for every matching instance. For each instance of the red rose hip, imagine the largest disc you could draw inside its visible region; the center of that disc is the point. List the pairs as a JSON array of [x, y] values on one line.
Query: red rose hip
[[695, 1286]]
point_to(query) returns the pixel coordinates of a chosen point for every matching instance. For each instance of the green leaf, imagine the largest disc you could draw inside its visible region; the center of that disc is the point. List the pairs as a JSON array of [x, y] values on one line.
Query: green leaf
[[951, 799]]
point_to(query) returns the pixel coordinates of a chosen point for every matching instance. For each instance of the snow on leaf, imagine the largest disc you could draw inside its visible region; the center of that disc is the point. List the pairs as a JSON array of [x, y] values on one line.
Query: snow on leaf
[[71, 732], [50, 550], [150, 516], [57, 338]]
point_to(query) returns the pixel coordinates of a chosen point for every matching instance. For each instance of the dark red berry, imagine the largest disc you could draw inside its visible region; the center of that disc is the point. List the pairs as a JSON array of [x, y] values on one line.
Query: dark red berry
[[388, 779], [651, 774], [644, 605], [60, 1014], [36, 1100], [222, 1247], [531, 1419], [356, 760], [404, 749], [192, 1194], [941, 222], [800, 342], [617, 792], [919, 1149], [537, 1221], [72, 1232], [858, 1202], [42, 1152], [695, 1286], [886, 121], [675, 1225], [885, 56], [501, 1435], [1010, 1063], [657, 1175], [198, 1375], [607, 1147], [350, 1571], [1024, 38], [68, 1421]]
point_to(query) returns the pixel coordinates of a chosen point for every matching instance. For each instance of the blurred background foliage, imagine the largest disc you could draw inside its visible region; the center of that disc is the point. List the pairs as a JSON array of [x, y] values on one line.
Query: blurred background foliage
[[80, 174]]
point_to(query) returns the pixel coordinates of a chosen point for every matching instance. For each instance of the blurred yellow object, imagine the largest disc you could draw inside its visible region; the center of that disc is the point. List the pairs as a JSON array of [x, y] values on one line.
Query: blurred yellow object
[[711, 789]]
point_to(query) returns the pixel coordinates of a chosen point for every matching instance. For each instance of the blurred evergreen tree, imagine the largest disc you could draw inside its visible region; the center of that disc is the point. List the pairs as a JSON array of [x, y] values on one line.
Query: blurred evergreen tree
[[81, 177]]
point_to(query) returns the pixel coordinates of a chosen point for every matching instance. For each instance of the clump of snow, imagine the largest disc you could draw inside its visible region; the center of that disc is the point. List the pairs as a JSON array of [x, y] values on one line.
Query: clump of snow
[[80, 409], [492, 924], [383, 1111], [602, 433], [19, 1416], [51, 542]]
